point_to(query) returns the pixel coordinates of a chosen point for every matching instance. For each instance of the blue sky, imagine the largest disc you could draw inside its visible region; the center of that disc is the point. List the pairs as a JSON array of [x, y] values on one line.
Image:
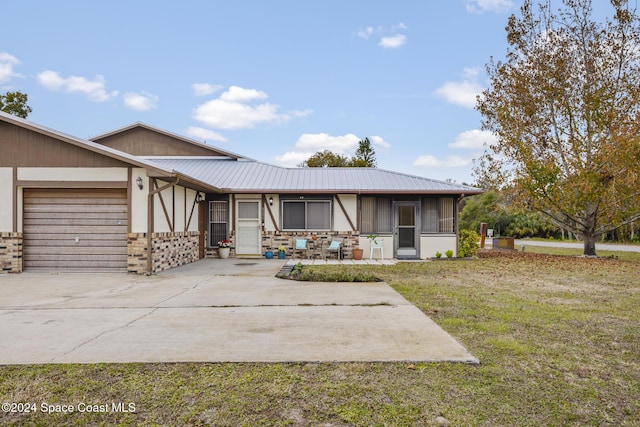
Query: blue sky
[[275, 81]]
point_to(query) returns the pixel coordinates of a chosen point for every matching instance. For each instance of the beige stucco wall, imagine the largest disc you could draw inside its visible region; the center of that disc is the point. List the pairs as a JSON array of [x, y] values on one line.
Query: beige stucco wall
[[275, 210], [350, 203], [387, 246], [190, 196], [430, 244], [6, 204], [175, 198], [139, 201], [160, 224], [72, 174]]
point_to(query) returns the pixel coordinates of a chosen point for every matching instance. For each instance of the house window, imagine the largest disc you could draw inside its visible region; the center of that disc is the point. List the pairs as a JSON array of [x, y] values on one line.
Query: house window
[[218, 222], [438, 215], [306, 215]]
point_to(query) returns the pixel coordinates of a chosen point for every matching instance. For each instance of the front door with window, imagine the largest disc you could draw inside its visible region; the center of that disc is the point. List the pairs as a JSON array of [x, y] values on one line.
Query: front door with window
[[407, 230], [248, 227]]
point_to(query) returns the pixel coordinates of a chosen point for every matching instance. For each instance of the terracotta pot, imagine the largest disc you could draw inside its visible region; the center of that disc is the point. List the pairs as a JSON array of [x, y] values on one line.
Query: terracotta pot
[[357, 253]]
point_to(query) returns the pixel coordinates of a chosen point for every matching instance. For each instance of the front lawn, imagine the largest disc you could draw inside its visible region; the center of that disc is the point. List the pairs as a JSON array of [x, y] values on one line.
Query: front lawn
[[558, 339]]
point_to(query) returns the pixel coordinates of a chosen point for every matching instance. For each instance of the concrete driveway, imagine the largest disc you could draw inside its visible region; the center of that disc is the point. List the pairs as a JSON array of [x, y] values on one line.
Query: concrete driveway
[[211, 311]]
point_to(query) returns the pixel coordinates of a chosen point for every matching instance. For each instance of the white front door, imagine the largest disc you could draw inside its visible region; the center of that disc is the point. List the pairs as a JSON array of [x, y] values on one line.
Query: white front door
[[248, 232]]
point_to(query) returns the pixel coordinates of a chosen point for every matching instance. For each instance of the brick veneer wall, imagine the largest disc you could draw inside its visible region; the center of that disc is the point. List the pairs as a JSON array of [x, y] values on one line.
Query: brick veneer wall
[[10, 252], [169, 250], [273, 240]]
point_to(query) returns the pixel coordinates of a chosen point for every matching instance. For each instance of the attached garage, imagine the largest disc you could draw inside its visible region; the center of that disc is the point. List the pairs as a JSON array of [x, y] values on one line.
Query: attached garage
[[75, 230]]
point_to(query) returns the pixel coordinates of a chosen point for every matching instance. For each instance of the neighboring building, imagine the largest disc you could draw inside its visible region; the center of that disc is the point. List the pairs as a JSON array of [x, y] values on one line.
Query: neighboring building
[[142, 200]]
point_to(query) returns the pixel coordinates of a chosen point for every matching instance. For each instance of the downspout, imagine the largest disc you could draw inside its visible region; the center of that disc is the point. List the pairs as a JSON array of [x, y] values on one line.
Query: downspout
[[153, 183]]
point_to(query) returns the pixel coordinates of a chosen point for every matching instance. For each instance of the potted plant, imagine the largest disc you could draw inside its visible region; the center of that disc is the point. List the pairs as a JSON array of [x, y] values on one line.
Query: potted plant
[[357, 253], [282, 251], [224, 246]]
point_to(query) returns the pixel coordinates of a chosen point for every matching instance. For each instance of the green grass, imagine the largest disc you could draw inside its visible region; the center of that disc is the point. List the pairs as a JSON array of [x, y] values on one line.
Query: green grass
[[558, 339]]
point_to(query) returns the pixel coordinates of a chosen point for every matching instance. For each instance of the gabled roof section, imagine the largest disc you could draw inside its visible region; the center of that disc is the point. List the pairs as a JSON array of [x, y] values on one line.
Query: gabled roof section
[[141, 139], [153, 169], [256, 177]]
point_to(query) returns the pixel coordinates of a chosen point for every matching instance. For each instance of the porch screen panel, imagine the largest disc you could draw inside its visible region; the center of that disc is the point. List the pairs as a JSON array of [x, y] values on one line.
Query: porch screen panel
[[318, 215], [383, 215], [367, 215], [446, 214], [430, 216], [218, 222]]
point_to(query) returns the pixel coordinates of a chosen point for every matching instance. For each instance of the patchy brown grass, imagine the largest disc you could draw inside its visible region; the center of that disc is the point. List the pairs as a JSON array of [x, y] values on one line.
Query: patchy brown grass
[[558, 339]]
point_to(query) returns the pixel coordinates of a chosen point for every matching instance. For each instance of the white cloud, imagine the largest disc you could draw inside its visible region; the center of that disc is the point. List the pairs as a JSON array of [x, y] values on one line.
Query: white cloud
[[140, 101], [365, 33], [321, 141], [310, 143], [201, 89], [377, 140], [234, 110], [462, 93], [205, 134], [473, 139], [393, 42], [428, 161], [292, 159], [239, 94], [389, 36], [94, 89], [481, 6], [7, 62]]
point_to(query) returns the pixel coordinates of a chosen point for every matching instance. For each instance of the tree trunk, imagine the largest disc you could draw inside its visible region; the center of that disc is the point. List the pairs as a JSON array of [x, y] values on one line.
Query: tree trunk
[[589, 245]]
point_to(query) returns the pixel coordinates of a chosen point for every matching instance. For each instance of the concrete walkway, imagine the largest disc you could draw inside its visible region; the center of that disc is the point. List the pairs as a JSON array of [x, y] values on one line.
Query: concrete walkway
[[211, 311]]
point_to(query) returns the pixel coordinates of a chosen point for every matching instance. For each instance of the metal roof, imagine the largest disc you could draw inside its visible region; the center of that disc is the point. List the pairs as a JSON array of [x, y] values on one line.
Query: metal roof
[[247, 176]]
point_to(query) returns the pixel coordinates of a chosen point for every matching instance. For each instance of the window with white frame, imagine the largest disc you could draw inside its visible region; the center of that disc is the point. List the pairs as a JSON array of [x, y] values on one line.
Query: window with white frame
[[310, 214], [218, 221]]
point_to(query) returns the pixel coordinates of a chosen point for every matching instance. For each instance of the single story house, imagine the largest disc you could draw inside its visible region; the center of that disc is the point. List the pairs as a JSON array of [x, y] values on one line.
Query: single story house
[[140, 199]]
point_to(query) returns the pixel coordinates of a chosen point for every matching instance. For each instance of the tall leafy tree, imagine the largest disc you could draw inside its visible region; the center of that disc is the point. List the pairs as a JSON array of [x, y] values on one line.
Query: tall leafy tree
[[365, 157], [15, 103], [565, 109], [325, 159]]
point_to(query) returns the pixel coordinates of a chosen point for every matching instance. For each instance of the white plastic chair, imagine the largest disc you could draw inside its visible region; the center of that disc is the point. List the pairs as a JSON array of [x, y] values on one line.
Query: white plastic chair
[[377, 244]]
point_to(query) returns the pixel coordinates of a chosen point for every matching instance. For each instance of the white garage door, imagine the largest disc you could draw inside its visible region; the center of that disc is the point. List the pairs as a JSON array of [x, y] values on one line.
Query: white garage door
[[75, 230]]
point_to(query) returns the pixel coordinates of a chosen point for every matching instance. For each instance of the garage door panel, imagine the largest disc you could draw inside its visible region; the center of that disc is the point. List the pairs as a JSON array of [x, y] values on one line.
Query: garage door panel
[[76, 250], [64, 209], [71, 231], [75, 229], [79, 222], [74, 258]]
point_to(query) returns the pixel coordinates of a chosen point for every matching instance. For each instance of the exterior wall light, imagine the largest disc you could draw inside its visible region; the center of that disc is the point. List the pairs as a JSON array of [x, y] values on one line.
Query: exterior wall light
[[199, 197], [139, 182], [270, 201]]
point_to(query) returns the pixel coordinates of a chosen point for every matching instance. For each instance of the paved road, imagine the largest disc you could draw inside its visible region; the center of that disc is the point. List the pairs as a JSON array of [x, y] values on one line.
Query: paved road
[[578, 245]]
